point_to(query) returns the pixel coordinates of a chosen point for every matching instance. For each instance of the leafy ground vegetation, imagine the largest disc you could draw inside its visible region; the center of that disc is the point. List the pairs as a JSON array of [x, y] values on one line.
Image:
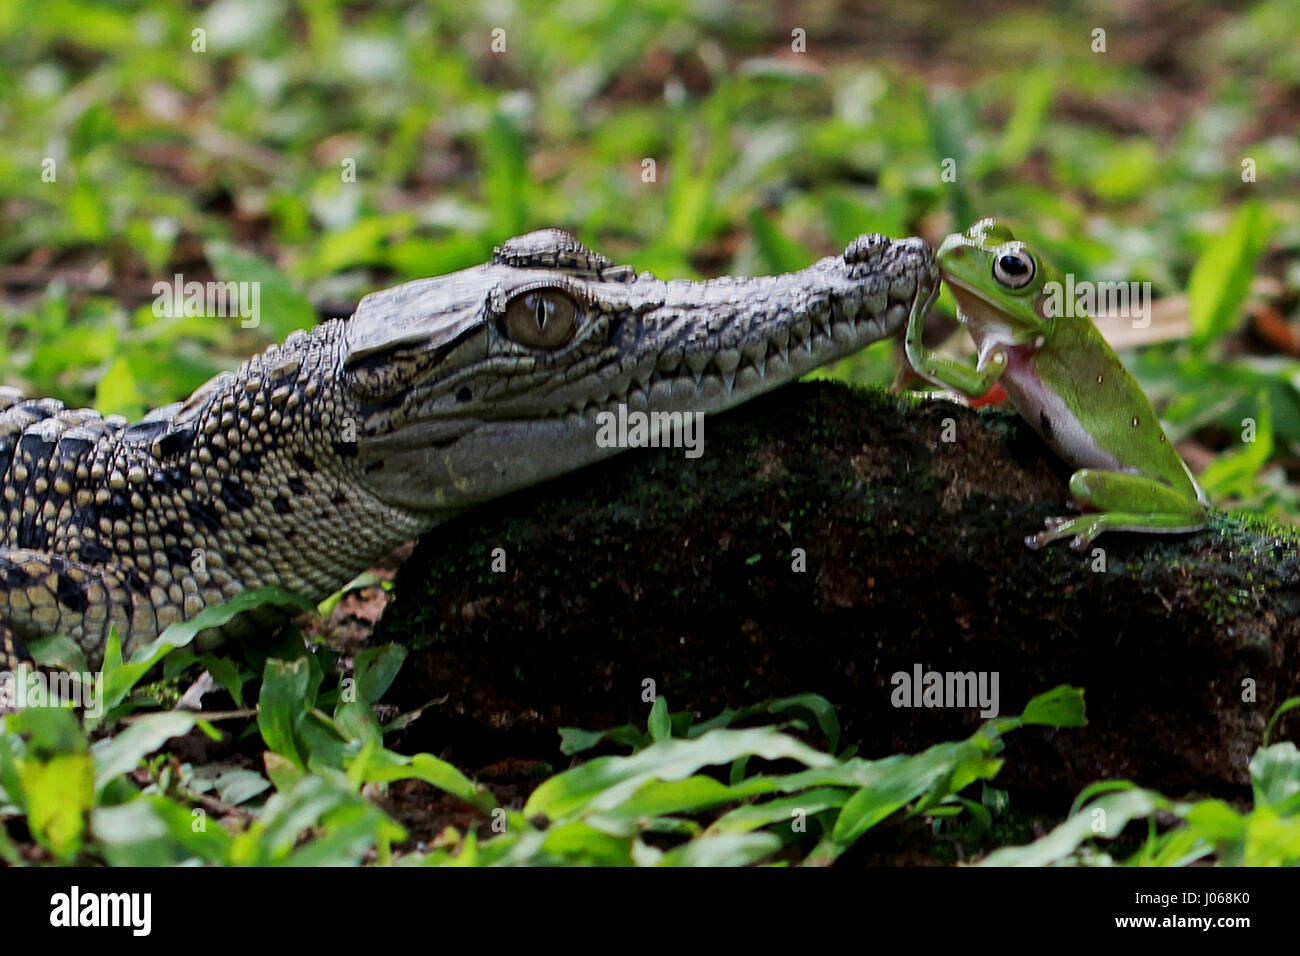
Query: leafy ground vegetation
[[325, 150]]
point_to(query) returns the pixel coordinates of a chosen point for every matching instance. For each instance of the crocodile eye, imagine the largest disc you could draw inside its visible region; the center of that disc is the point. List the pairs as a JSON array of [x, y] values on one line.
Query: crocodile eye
[[543, 318], [1014, 269]]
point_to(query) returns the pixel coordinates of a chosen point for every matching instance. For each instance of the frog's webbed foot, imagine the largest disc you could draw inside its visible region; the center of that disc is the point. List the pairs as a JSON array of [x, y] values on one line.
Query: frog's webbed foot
[[1083, 529], [1086, 527]]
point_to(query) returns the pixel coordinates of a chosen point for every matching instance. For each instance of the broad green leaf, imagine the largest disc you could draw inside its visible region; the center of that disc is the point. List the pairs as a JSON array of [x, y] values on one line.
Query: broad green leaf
[[375, 669], [605, 782], [780, 253], [1234, 473], [121, 677], [505, 175], [281, 308], [349, 833], [942, 769], [286, 695], [157, 831], [579, 843], [1221, 276], [1059, 707], [782, 810], [1275, 777], [58, 791], [1033, 98], [286, 816], [1106, 817], [1291, 703], [123, 752], [659, 726], [117, 393], [724, 849]]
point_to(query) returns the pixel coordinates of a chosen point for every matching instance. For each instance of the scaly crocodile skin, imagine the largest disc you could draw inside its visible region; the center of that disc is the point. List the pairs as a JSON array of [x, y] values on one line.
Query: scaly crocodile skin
[[315, 458]]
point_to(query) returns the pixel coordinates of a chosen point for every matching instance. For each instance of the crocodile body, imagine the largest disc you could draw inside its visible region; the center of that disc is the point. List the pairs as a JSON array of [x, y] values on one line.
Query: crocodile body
[[317, 457]]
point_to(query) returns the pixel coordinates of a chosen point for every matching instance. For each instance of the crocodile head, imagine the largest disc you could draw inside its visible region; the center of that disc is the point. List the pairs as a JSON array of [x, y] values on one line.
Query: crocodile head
[[487, 380]]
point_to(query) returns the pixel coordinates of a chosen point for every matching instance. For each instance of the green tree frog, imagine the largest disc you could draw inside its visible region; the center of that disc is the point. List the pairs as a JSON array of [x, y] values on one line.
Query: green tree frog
[[1066, 382]]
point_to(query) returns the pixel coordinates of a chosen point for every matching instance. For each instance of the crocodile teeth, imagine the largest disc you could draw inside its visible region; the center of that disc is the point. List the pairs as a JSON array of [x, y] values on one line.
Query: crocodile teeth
[[697, 362], [803, 328], [670, 360], [727, 360], [781, 338]]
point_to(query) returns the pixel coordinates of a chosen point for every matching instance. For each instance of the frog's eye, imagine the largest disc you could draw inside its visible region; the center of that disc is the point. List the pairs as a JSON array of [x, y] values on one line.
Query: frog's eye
[[1014, 268]]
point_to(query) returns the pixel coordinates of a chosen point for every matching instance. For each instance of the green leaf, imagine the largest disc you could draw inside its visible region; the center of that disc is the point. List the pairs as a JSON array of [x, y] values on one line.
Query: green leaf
[[938, 771], [1234, 474], [780, 253], [287, 693], [1275, 776], [574, 740], [116, 393], [238, 786], [349, 833], [580, 844], [782, 810], [59, 653], [505, 175], [375, 669], [281, 307], [724, 849], [121, 677], [659, 726], [374, 764], [1291, 703], [1220, 279], [228, 674], [1106, 817], [1059, 707], [123, 752], [1033, 98], [54, 779], [605, 782]]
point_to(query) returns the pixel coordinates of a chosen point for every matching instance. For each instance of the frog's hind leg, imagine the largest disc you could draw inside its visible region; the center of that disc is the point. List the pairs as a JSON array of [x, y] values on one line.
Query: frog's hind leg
[[1116, 501]]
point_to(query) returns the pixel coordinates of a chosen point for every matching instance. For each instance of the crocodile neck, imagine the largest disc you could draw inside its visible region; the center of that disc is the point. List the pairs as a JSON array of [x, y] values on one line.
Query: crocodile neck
[[315, 458]]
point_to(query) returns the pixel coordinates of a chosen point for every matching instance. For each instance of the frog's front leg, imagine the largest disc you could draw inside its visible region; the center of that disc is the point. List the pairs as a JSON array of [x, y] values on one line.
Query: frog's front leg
[[971, 382], [1121, 502]]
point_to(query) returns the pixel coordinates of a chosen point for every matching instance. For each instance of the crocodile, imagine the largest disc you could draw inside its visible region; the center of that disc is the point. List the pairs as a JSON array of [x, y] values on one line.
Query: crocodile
[[317, 457]]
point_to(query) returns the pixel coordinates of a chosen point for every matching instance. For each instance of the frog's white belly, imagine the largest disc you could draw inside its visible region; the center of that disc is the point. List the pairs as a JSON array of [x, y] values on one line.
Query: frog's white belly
[[1055, 421]]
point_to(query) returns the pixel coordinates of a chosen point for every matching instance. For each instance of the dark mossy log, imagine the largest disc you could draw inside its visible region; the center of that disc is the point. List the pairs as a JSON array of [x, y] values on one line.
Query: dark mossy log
[[910, 518]]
